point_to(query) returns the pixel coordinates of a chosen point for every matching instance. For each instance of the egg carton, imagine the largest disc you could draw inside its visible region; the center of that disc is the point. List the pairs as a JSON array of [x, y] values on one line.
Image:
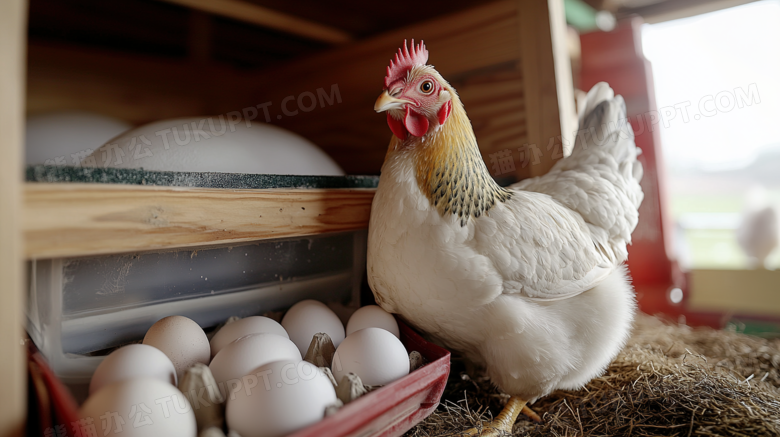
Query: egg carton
[[79, 309], [360, 409]]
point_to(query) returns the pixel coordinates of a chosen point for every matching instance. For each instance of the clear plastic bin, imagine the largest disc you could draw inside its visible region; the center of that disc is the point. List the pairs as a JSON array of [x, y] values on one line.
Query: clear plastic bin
[[80, 307]]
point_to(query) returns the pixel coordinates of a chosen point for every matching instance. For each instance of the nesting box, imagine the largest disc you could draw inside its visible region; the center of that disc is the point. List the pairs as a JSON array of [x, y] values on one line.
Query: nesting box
[[110, 251]]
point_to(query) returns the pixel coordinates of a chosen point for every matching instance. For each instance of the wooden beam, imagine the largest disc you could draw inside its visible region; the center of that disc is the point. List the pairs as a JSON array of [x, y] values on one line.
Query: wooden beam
[[564, 83], [13, 403], [545, 63], [261, 16], [65, 220]]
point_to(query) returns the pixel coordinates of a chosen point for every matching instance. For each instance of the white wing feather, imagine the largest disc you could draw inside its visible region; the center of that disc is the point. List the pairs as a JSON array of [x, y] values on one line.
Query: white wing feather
[[593, 195]]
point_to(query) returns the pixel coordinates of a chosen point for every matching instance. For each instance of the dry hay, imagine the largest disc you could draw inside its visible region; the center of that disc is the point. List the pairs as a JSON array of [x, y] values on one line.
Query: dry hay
[[670, 380]]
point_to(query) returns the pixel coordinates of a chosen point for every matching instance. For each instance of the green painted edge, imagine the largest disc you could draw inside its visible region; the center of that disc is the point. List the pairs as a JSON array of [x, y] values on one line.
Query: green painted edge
[[125, 176], [580, 15]]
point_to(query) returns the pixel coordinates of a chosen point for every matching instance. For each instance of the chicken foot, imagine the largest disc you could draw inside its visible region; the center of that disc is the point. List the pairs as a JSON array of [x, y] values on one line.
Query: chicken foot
[[502, 425]]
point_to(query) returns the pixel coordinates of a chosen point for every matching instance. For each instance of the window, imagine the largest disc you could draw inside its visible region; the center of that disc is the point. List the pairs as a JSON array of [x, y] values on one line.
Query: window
[[717, 84]]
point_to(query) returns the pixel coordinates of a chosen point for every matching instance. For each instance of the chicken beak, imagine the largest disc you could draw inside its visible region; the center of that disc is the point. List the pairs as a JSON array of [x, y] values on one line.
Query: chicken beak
[[386, 101]]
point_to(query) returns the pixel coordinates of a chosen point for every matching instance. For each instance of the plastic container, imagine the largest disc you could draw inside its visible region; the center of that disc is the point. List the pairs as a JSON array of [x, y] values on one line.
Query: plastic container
[[79, 308]]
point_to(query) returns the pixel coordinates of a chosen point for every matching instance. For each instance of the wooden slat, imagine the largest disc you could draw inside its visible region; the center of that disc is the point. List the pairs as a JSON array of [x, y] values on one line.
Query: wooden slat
[[63, 220], [255, 14], [13, 379]]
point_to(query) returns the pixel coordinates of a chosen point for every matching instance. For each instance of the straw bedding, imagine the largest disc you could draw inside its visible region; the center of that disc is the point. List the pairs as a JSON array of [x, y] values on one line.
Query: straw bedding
[[670, 380]]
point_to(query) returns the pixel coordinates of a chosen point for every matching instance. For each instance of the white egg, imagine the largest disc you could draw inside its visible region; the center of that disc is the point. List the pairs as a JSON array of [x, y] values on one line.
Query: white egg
[[182, 340], [309, 317], [374, 354], [250, 325], [372, 316], [133, 361], [279, 398], [217, 144], [240, 357], [140, 407]]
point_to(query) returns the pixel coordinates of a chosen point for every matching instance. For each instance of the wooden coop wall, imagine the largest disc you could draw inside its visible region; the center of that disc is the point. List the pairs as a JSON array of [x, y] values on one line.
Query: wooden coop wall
[[503, 58], [508, 61]]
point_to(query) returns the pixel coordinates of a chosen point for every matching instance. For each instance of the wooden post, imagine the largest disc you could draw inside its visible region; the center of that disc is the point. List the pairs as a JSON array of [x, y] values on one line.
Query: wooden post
[[13, 26], [546, 71]]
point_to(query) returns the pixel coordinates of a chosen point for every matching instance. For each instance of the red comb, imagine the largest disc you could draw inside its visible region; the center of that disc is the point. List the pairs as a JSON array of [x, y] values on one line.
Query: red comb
[[405, 59]]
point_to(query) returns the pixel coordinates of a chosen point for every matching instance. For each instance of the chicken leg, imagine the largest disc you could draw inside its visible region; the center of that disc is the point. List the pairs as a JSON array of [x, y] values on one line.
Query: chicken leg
[[502, 425]]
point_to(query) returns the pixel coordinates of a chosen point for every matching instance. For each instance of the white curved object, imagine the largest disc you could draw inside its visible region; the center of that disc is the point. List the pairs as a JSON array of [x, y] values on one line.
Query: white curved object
[[133, 361], [139, 407], [215, 144], [240, 357], [243, 327]]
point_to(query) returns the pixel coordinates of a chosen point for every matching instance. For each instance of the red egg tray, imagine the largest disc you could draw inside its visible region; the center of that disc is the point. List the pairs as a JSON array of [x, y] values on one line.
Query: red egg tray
[[397, 407], [388, 411]]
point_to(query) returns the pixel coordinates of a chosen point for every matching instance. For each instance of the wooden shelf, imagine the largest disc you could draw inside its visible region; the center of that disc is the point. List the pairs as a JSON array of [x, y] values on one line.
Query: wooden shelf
[[77, 219]]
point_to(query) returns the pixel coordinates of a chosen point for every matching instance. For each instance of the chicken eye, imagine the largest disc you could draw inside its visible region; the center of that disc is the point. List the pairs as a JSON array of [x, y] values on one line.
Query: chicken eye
[[426, 87]]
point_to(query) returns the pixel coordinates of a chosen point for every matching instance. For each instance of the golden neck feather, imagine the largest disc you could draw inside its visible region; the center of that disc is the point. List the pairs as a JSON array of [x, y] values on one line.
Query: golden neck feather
[[450, 171]]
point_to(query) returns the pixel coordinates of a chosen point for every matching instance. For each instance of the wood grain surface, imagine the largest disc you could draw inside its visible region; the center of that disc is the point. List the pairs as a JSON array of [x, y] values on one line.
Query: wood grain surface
[[64, 220]]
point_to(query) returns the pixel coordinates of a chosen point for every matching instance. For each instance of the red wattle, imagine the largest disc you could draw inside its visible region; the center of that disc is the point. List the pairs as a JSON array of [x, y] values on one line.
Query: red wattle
[[397, 127], [415, 123], [444, 112]]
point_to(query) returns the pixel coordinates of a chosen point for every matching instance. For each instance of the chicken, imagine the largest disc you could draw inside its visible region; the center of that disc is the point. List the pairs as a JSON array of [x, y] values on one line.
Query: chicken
[[758, 233], [527, 281]]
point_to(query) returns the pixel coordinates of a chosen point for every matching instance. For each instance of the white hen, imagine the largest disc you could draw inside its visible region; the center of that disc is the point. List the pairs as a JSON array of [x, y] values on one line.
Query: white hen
[[758, 233], [526, 281]]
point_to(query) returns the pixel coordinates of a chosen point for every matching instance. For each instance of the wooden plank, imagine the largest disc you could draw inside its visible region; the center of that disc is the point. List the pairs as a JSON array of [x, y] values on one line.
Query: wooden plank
[[564, 83], [13, 379], [540, 32], [64, 220], [262, 16]]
